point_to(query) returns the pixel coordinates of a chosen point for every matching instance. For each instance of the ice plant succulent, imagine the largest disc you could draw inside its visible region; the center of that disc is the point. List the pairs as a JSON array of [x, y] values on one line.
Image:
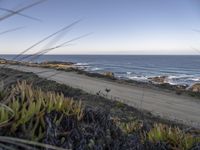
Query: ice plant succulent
[[176, 138], [30, 107]]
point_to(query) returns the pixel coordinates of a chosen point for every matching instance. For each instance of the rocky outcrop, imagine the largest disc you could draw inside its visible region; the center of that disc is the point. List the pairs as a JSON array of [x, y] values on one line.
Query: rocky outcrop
[[195, 87], [109, 74], [2, 61], [58, 63], [159, 79]]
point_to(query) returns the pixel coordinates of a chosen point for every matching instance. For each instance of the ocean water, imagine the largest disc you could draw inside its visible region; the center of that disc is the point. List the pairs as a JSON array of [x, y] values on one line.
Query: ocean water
[[178, 69]]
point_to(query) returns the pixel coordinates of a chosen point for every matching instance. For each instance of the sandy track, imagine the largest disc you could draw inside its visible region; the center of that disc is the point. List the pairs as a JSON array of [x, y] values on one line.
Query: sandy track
[[182, 108]]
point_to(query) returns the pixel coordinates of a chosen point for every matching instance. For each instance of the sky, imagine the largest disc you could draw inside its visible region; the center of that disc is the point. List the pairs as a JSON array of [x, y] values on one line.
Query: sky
[[116, 26]]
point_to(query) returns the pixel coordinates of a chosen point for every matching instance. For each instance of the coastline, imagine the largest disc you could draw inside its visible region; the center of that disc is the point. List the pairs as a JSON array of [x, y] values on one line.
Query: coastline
[[157, 82], [175, 70], [118, 110], [163, 103]]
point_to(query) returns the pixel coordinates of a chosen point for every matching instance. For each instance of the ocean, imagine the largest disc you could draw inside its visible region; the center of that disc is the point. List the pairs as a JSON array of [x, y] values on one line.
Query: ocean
[[180, 70]]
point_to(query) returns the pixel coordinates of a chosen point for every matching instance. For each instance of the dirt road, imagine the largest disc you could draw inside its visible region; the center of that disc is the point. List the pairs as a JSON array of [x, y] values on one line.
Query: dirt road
[[171, 106]]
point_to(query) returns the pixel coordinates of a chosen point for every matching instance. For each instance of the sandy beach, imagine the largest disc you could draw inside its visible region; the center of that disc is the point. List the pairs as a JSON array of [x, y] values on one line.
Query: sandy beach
[[179, 108]]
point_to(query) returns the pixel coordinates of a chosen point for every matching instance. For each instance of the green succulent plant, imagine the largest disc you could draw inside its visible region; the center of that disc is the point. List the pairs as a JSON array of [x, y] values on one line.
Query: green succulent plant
[[30, 106], [173, 136], [6, 115]]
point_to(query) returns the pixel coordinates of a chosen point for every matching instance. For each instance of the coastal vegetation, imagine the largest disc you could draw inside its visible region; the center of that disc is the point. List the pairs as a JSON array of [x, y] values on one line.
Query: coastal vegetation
[[60, 117], [174, 137]]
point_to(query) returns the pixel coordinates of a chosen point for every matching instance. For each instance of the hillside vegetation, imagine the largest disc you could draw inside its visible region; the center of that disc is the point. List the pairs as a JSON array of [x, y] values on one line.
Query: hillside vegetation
[[34, 116]]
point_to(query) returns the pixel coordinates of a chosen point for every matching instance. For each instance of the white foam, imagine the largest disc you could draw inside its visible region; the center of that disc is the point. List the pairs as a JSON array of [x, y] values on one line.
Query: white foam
[[171, 77], [128, 73], [138, 78], [195, 79], [82, 64], [95, 69]]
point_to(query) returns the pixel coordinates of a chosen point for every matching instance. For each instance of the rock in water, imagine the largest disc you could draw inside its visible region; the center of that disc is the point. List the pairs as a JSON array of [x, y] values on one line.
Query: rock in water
[[195, 87]]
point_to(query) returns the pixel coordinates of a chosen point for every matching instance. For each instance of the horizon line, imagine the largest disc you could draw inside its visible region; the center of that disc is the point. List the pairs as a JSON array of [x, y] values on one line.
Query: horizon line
[[118, 54]]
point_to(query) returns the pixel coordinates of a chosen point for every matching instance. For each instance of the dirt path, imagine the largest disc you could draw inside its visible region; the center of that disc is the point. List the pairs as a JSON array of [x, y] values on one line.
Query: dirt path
[[171, 106]]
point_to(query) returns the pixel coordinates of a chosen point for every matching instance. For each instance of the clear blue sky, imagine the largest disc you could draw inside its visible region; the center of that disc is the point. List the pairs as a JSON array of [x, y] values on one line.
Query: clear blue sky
[[118, 26]]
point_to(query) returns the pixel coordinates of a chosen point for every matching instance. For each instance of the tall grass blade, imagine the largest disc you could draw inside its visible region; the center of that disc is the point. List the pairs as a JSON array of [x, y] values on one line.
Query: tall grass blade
[[17, 141], [18, 13], [11, 30], [20, 10]]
